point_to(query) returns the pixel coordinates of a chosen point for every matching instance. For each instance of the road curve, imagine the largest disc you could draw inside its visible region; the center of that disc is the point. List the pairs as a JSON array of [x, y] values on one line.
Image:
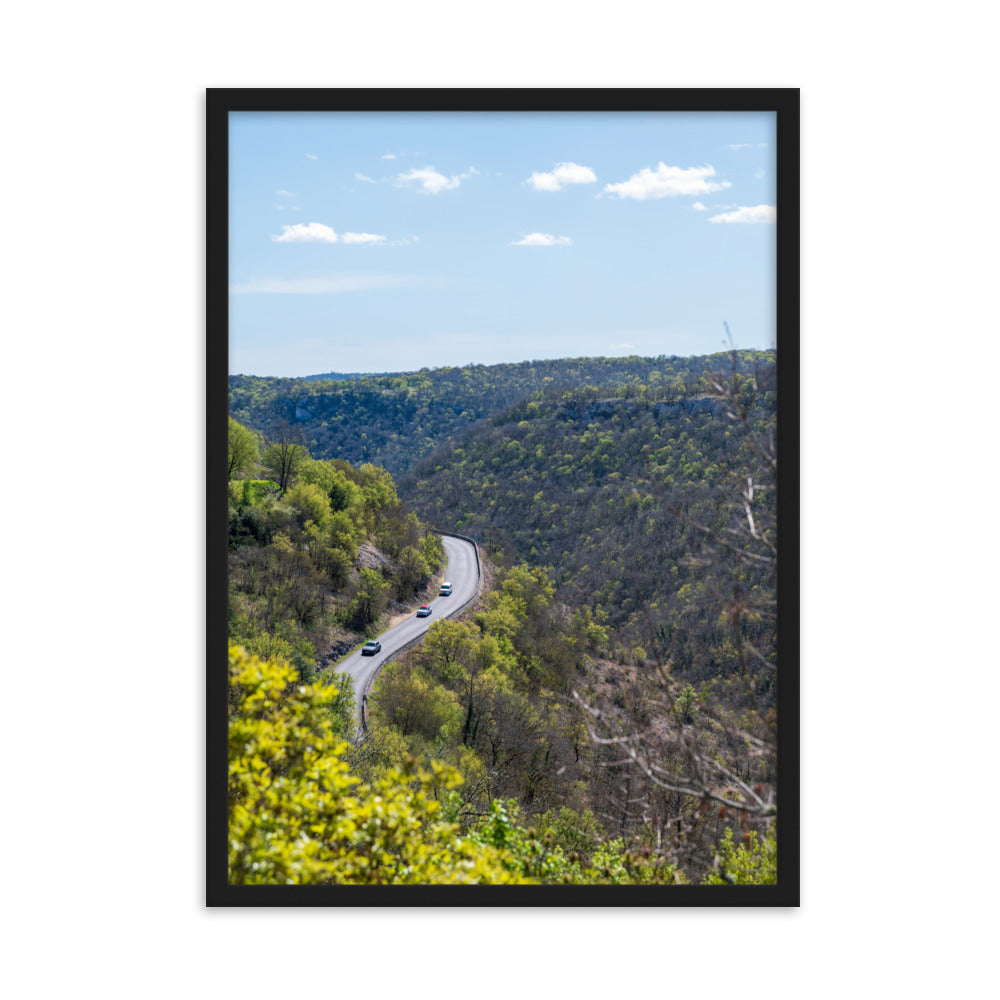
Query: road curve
[[463, 572]]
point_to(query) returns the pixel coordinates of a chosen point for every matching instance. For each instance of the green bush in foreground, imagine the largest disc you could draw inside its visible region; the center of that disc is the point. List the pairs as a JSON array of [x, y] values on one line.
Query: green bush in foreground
[[298, 816], [753, 862]]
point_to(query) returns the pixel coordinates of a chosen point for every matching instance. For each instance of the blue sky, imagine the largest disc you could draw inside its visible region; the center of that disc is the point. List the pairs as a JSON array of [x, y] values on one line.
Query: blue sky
[[392, 242]]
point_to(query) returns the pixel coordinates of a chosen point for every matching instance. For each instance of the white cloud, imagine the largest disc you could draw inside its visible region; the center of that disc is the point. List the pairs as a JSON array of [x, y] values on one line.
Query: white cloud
[[388, 156], [324, 286], [279, 208], [564, 173], [759, 173], [312, 232], [757, 213], [362, 238], [430, 180], [311, 156], [667, 182], [741, 145], [699, 207], [296, 208], [362, 177], [543, 240], [284, 194], [623, 347]]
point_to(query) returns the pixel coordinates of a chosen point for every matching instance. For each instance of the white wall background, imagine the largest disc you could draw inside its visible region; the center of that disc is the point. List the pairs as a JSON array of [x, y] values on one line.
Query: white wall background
[[103, 502]]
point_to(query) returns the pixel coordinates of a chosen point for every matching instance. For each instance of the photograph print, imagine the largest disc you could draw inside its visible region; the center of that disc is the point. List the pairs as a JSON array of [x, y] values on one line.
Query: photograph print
[[506, 379]]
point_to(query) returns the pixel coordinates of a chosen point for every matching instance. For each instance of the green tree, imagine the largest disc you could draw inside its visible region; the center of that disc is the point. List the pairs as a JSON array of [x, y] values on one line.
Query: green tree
[[412, 573], [284, 454], [333, 481], [369, 600], [412, 704], [243, 450], [378, 488], [311, 502]]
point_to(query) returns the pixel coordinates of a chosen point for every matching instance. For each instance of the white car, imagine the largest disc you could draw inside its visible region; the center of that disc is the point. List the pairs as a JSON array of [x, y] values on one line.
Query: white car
[[446, 589]]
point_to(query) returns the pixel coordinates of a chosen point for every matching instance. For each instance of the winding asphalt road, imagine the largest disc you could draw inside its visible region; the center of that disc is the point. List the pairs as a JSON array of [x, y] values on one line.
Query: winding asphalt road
[[463, 573]]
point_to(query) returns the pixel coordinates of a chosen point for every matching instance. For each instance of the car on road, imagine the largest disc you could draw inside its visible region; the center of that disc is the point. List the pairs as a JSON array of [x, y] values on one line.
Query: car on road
[[446, 589], [423, 611], [371, 648]]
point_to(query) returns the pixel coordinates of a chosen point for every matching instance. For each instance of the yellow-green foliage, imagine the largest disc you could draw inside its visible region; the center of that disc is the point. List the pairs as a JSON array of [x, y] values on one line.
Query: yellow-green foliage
[[243, 450], [538, 854], [297, 815], [753, 862], [310, 502]]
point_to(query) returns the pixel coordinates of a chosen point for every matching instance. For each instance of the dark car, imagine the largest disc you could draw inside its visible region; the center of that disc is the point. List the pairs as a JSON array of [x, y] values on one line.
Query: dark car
[[423, 611], [446, 589], [371, 648]]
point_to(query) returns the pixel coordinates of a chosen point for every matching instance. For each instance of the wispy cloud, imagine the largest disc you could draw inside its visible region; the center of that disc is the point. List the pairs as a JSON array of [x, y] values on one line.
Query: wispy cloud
[[316, 232], [741, 145], [311, 156], [756, 213], [325, 286], [699, 207], [311, 232], [363, 238], [542, 240], [563, 174], [667, 182], [622, 347], [363, 177], [388, 156], [284, 194], [760, 173], [429, 180]]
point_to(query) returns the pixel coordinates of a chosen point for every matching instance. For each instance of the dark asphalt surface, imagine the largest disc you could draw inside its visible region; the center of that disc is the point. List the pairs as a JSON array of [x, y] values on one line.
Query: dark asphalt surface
[[462, 571]]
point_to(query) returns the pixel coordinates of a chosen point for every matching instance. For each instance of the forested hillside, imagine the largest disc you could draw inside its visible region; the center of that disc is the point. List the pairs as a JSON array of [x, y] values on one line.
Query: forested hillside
[[319, 552], [615, 492], [394, 420], [605, 713]]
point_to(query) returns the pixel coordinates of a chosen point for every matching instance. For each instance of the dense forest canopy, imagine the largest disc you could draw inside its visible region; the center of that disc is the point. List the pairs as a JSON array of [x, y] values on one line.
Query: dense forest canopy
[[394, 420], [610, 490]]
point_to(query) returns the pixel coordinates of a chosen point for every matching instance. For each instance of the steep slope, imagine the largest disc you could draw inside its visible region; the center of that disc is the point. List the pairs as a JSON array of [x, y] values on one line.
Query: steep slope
[[623, 496]]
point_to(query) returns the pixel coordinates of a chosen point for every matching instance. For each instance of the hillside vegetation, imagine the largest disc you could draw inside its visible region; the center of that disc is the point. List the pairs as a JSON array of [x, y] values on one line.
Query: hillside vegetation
[[614, 492], [605, 713], [394, 420], [319, 552]]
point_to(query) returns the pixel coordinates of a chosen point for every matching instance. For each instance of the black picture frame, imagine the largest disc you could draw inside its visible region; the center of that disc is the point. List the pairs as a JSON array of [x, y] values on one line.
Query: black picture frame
[[785, 103]]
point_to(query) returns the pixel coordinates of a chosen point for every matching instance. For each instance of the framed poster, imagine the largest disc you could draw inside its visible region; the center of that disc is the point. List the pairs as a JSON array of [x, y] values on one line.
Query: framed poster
[[500, 383]]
